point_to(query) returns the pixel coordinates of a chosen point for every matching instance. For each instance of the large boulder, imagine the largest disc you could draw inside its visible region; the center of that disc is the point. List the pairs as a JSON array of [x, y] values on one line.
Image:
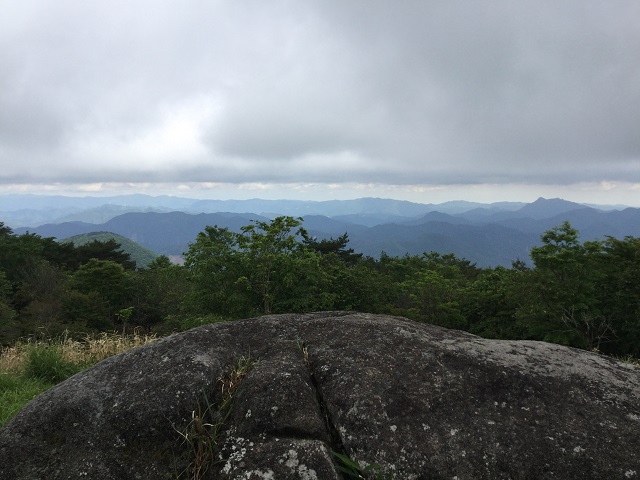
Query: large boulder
[[421, 401]]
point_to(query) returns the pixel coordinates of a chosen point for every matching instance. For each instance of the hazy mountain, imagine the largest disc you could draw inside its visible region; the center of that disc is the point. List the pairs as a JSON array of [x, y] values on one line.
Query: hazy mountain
[[487, 245], [545, 208], [436, 217], [32, 218], [490, 234], [325, 227], [162, 233], [103, 213], [35, 210], [12, 202], [60, 230], [540, 209], [170, 233], [298, 208]]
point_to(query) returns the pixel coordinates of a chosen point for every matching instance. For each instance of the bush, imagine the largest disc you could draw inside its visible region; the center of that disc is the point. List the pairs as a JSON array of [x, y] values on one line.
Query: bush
[[46, 363]]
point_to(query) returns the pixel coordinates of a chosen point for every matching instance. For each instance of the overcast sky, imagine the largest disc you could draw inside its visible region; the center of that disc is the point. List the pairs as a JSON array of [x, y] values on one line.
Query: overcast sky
[[423, 100]]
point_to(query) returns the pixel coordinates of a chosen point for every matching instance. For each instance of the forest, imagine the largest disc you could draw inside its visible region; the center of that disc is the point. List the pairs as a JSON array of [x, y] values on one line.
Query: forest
[[581, 294]]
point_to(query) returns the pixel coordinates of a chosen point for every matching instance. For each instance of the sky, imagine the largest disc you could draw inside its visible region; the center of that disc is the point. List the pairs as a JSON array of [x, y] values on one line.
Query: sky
[[423, 100]]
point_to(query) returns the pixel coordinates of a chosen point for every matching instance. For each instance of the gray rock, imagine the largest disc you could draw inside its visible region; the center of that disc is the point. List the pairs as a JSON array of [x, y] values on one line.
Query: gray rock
[[421, 401]]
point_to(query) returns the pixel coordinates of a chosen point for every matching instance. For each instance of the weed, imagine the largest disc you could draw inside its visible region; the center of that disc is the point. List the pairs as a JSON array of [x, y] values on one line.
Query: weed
[[202, 433], [47, 364], [305, 351], [229, 384], [201, 438], [631, 360], [356, 472]]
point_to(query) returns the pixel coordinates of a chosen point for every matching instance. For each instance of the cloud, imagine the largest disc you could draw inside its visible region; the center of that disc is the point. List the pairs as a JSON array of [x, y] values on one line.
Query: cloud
[[338, 92]]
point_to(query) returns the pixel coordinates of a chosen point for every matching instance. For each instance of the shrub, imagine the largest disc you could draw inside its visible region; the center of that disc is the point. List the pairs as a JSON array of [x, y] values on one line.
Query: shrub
[[45, 362]]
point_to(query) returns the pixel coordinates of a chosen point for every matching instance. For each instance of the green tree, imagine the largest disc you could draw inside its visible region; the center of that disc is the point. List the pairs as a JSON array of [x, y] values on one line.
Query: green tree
[[214, 266], [86, 312], [265, 268], [429, 287], [434, 299], [271, 252], [354, 286], [566, 308], [160, 292], [109, 280], [9, 330], [37, 297], [337, 246], [620, 294], [109, 250], [494, 299], [16, 251]]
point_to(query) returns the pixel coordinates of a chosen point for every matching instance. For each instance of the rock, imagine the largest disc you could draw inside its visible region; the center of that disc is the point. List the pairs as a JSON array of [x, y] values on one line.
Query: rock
[[421, 401]]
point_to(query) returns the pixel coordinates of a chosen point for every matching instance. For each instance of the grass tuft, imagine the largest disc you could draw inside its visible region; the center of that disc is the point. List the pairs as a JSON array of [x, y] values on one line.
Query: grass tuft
[[48, 364], [354, 471], [202, 434], [631, 360]]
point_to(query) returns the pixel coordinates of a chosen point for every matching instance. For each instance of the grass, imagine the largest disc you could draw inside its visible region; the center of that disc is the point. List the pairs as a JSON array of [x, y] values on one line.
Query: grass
[[15, 392], [201, 440], [354, 471], [630, 359], [30, 367], [201, 435]]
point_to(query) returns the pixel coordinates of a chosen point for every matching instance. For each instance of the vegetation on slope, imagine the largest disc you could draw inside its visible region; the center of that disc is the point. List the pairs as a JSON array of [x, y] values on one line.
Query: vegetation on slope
[[140, 255], [30, 367]]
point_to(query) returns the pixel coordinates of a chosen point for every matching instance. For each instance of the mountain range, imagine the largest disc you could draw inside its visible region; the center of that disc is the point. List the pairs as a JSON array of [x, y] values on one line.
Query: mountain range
[[487, 234]]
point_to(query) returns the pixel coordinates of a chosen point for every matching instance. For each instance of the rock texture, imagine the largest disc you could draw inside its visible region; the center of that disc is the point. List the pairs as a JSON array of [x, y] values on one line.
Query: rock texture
[[421, 401]]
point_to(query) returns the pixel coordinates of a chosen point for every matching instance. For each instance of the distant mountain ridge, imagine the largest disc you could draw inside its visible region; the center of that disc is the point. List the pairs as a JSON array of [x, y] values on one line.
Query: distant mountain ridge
[[487, 234], [34, 211]]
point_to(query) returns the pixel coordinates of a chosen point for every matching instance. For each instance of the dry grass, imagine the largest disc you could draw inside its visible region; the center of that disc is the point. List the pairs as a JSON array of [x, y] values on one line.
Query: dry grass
[[229, 384], [89, 350], [31, 366], [632, 360]]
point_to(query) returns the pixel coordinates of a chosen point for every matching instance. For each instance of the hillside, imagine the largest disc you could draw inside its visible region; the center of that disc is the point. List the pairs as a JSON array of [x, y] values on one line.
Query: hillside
[[142, 256]]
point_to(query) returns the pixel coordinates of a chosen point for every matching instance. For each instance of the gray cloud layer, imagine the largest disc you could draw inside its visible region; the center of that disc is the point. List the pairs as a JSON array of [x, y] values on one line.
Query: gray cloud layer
[[358, 91]]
